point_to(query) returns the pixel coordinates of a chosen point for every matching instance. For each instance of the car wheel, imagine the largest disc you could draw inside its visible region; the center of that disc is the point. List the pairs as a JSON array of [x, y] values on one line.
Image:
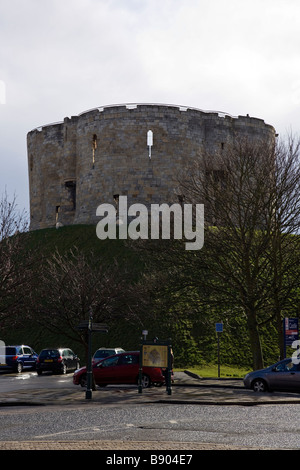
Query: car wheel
[[39, 372], [259, 385], [83, 380], [146, 382], [19, 367]]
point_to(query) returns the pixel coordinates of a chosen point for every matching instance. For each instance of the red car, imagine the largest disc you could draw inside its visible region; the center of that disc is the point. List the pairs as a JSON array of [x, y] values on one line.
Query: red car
[[121, 369]]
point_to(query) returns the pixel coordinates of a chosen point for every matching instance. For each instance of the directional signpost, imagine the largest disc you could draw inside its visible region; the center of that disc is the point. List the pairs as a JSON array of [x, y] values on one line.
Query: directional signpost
[[89, 327], [100, 327]]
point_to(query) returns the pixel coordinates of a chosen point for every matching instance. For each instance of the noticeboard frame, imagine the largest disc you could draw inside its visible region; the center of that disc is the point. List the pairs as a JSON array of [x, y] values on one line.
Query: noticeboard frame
[[147, 347]]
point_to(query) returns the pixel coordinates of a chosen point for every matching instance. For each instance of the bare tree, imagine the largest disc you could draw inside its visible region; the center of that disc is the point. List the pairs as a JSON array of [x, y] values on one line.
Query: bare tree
[[14, 261], [12, 220], [74, 283], [284, 251], [251, 195]]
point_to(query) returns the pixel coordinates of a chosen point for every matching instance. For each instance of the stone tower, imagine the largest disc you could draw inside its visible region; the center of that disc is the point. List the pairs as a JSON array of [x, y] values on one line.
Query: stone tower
[[93, 158]]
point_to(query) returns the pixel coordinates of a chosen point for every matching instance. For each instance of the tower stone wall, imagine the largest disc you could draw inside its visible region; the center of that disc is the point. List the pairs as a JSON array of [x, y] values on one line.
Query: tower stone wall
[[90, 159]]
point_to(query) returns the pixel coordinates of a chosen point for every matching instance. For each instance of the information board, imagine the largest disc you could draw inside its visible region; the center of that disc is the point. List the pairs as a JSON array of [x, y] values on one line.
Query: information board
[[155, 355]]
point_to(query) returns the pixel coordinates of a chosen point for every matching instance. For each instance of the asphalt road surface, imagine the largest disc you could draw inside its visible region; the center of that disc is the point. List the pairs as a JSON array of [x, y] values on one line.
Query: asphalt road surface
[[274, 427], [29, 379], [260, 427]]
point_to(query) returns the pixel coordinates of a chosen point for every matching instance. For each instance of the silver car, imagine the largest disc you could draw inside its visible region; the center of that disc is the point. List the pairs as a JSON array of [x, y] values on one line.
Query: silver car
[[284, 375], [102, 353]]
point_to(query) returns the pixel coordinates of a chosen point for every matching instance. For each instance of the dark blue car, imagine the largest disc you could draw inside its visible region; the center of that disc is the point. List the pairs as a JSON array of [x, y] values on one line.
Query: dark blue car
[[18, 358]]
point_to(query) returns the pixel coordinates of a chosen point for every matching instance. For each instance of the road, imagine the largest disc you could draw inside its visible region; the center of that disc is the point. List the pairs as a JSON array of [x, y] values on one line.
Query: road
[[258, 427], [263, 427], [29, 379]]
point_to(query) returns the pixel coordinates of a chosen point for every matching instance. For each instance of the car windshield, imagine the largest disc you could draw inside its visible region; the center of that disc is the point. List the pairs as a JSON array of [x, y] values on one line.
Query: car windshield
[[102, 353]]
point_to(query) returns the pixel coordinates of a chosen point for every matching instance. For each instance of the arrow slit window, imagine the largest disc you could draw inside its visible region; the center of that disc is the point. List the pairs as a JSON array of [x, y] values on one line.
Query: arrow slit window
[[94, 147]]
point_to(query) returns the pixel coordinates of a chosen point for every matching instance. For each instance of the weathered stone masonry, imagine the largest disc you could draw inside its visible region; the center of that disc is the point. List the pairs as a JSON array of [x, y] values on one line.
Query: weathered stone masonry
[[94, 157]]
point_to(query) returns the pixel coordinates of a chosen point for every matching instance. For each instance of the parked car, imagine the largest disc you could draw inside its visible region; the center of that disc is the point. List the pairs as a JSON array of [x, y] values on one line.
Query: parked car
[[18, 358], [283, 375], [121, 368], [102, 353], [58, 360]]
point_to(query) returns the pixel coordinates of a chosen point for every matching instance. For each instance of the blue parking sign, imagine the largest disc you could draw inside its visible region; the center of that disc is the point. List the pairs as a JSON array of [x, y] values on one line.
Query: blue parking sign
[[219, 327], [291, 331]]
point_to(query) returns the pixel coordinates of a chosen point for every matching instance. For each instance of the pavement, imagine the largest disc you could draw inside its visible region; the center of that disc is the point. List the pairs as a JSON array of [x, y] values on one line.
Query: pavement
[[187, 388]]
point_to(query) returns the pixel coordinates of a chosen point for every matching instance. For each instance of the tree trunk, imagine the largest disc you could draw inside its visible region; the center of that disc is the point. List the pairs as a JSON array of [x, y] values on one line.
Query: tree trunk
[[255, 342]]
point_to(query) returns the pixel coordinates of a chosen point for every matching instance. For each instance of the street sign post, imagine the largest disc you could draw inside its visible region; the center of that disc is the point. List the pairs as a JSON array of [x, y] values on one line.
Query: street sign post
[[219, 329], [88, 326]]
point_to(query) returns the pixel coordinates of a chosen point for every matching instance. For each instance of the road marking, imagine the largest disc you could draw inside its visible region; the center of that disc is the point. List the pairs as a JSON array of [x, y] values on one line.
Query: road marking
[[107, 428]]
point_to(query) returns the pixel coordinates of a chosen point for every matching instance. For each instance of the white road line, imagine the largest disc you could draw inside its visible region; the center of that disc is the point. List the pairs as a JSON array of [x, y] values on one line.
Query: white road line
[[87, 429]]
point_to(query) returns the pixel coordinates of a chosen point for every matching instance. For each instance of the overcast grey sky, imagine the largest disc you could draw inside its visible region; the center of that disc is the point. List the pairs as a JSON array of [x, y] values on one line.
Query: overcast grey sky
[[59, 58]]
